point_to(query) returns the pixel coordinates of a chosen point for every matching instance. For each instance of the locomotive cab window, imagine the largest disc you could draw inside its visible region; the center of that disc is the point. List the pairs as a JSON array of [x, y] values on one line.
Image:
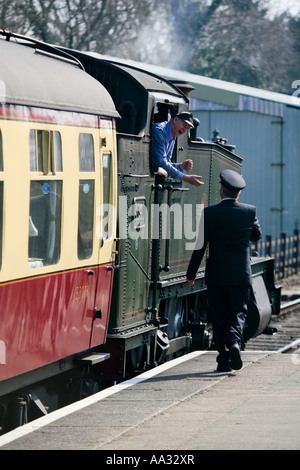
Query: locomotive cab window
[[45, 151], [165, 112], [44, 223]]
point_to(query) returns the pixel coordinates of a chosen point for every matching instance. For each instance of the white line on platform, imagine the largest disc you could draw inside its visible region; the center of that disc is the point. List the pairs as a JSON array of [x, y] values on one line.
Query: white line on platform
[[67, 410]]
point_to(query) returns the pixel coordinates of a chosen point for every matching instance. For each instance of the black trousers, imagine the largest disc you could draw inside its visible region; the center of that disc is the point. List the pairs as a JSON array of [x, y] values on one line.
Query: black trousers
[[228, 309]]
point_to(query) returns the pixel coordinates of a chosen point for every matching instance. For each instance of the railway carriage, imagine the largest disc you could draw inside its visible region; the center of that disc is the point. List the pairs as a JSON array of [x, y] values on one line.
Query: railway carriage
[[58, 173], [94, 246]]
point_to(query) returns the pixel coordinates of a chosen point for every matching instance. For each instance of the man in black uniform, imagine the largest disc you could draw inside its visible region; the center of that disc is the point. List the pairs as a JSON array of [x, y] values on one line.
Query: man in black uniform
[[228, 229]]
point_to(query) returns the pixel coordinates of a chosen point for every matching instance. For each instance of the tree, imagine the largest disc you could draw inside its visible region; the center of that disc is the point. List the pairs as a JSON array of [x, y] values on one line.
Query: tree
[[241, 44], [12, 16], [83, 24], [294, 71], [233, 40]]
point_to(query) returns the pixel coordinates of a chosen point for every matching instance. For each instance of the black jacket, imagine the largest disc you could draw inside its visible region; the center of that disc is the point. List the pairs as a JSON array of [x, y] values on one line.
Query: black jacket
[[228, 229]]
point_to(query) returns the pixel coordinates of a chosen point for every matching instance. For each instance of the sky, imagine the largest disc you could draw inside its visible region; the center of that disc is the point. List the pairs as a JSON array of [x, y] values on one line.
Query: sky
[[279, 6]]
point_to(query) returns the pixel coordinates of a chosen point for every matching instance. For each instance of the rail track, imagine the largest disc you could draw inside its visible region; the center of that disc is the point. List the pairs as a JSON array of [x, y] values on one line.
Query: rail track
[[284, 331]]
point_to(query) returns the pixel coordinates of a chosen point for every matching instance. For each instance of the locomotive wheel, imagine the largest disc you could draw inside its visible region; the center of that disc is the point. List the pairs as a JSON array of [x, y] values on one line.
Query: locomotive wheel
[[134, 359], [179, 341], [201, 338], [174, 312]]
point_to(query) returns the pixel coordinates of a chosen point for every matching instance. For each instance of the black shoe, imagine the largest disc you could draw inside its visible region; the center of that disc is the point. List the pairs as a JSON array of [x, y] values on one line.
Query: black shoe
[[235, 357], [223, 368]]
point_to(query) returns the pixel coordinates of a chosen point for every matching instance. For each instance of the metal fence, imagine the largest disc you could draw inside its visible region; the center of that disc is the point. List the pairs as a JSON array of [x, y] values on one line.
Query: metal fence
[[284, 250]]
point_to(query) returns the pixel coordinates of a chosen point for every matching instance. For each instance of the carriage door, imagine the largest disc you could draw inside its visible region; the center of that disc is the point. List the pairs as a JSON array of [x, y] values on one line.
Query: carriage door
[[105, 234]]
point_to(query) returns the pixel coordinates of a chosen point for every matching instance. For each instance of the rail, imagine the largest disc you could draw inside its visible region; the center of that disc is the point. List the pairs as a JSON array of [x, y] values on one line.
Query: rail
[[288, 306], [289, 347], [283, 333]]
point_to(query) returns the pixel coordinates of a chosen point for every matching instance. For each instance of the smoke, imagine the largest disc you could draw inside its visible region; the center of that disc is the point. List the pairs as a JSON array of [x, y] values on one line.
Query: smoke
[[154, 42]]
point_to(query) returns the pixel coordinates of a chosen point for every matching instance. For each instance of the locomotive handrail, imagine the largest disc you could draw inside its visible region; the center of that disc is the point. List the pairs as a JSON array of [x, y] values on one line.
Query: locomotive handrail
[[139, 265], [179, 189], [170, 189], [160, 185], [130, 175]]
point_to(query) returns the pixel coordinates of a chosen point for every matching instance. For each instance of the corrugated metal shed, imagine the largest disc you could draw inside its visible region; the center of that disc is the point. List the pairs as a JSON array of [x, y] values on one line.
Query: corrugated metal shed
[[266, 135], [265, 127]]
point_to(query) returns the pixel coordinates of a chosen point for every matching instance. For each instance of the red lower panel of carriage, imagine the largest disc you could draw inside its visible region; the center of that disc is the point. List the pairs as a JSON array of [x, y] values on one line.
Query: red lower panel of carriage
[[47, 318]]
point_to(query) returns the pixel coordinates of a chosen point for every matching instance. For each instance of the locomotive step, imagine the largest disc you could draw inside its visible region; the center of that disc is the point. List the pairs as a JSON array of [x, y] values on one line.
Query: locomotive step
[[91, 359]]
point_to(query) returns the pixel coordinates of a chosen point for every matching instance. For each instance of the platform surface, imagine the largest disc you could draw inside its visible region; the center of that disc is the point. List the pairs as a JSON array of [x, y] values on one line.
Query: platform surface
[[181, 405]]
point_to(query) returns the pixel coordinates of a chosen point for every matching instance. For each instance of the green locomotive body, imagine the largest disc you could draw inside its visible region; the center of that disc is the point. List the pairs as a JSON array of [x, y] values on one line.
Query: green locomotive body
[[154, 314]]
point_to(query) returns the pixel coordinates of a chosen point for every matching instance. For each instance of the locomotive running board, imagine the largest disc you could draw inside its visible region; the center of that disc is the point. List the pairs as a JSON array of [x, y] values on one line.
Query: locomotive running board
[[91, 359]]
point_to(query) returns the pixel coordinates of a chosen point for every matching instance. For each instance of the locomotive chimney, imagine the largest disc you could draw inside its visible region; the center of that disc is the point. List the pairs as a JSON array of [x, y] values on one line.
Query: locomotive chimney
[[185, 87]]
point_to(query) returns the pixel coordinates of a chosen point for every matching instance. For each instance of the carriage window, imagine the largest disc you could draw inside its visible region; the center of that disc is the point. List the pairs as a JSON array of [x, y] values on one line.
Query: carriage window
[[1, 152], [32, 150], [86, 152], [44, 223], [56, 152], [106, 163], [85, 219], [106, 167], [45, 151]]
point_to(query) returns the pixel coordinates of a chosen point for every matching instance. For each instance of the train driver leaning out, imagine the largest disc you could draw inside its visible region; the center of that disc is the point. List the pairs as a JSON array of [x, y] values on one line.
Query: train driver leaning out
[[164, 137]]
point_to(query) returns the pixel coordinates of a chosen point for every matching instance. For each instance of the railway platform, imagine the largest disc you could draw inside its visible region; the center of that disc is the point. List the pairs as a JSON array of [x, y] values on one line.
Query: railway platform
[[183, 405]]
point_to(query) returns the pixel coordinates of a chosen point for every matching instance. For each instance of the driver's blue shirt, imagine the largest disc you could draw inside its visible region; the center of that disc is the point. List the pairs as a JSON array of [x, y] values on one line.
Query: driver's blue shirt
[[163, 145]]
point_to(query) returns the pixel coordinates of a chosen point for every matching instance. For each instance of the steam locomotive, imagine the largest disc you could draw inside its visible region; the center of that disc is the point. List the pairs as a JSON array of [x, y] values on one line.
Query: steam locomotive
[[94, 245]]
